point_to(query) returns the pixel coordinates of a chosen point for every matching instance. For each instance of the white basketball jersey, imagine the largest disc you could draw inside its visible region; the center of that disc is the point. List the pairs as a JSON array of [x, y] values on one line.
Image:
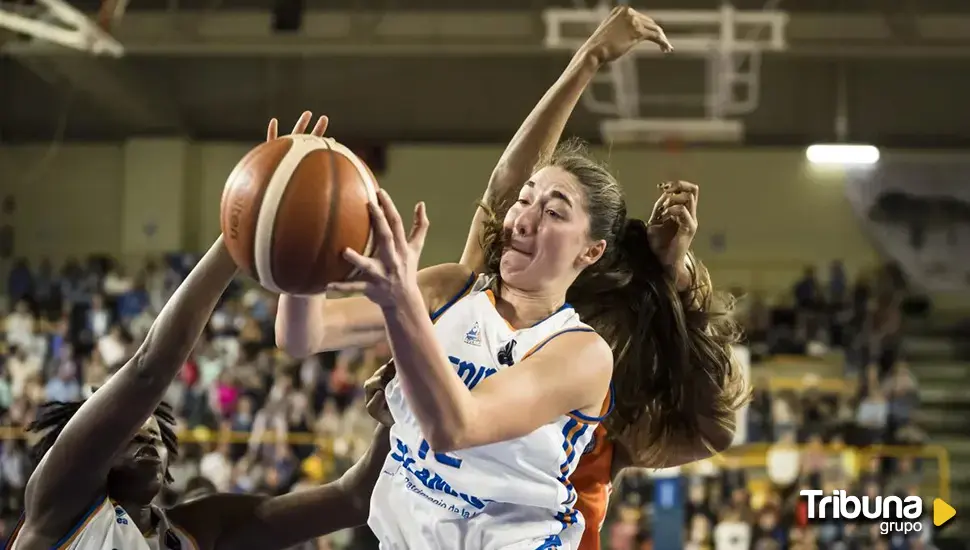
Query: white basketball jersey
[[508, 495], [107, 527]]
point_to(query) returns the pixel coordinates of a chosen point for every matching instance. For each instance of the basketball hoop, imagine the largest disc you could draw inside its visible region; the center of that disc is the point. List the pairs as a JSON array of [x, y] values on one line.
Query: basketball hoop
[[672, 144], [109, 12]]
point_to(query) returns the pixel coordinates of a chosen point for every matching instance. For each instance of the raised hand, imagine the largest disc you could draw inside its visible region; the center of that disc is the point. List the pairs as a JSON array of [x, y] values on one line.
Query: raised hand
[[391, 277], [623, 29], [672, 227], [302, 123]]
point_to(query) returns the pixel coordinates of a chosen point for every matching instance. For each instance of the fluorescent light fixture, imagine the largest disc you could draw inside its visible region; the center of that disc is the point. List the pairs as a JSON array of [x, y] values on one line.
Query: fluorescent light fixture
[[842, 154]]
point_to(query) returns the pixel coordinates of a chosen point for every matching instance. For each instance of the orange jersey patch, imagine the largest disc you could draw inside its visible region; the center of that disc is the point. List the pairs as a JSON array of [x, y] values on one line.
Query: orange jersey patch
[[593, 483]]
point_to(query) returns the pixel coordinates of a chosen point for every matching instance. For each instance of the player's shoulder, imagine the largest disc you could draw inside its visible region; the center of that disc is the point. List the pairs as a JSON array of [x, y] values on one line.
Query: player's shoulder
[[443, 283], [580, 342]]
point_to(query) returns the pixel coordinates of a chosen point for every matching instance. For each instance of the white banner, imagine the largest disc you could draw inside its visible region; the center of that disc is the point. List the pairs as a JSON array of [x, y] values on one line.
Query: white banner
[[742, 358], [918, 212]]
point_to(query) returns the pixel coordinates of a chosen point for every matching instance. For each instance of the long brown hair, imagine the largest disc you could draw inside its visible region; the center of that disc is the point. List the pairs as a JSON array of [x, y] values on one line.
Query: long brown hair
[[674, 379]]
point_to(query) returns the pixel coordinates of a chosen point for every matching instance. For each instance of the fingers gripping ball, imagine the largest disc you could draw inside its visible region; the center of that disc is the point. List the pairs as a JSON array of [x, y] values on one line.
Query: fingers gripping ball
[[290, 208]]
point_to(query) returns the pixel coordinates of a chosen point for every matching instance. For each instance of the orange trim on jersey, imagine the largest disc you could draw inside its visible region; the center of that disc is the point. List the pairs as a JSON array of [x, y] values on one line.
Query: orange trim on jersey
[[79, 528], [547, 339], [13, 534], [186, 535], [570, 435], [605, 410], [491, 298], [592, 483]]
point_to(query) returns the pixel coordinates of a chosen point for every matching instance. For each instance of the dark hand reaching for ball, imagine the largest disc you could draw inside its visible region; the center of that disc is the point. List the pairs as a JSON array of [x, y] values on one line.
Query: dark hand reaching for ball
[[390, 278], [374, 389]]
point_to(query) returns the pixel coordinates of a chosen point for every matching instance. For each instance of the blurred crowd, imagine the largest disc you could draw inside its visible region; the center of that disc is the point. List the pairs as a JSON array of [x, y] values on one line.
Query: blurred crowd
[[254, 420], [860, 318]]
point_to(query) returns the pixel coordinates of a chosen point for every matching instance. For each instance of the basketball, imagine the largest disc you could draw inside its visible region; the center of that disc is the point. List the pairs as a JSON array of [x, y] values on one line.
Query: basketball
[[290, 208]]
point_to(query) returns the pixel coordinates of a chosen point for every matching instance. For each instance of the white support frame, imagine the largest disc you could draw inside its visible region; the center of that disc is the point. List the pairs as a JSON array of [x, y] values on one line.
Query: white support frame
[[733, 60], [656, 131], [673, 22], [62, 24]]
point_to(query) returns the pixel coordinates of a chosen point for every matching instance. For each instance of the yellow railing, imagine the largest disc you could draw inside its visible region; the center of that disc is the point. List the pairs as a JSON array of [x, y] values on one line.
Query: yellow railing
[[744, 456], [207, 436], [827, 385], [754, 456]]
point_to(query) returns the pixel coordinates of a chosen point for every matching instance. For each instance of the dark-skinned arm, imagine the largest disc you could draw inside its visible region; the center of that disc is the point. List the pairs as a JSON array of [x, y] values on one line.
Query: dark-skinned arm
[[267, 523], [533, 141], [72, 475]]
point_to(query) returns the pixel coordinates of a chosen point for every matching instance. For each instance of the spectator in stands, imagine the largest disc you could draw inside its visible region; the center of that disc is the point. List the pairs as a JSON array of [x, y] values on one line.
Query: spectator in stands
[[112, 345], [837, 304], [806, 290], [45, 289], [22, 368], [760, 421], [98, 320], [873, 416], [885, 330], [216, 466], [784, 416], [624, 532], [732, 532], [838, 285], [19, 325], [64, 385], [902, 391], [14, 472], [20, 281]]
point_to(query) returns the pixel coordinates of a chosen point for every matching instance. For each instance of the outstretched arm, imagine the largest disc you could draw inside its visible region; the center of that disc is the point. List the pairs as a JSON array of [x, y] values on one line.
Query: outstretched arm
[[535, 140], [538, 135], [261, 523], [273, 523], [73, 473]]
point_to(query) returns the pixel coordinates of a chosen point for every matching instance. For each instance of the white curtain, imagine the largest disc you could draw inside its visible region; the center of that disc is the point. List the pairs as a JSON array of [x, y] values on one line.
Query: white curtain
[[918, 214]]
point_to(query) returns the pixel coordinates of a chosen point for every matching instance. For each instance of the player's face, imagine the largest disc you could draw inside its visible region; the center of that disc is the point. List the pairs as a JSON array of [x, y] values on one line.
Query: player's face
[[548, 232], [139, 471]]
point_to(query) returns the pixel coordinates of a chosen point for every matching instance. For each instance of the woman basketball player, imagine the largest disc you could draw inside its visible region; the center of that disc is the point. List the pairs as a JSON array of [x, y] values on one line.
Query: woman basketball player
[[102, 462], [695, 344], [676, 390], [483, 459]]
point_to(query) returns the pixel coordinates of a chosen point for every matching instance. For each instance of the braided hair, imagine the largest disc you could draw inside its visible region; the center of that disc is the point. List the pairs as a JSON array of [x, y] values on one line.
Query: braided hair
[[52, 416]]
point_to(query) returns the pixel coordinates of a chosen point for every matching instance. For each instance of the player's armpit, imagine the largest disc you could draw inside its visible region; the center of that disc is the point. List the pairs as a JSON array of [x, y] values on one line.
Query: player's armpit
[[275, 523], [571, 372]]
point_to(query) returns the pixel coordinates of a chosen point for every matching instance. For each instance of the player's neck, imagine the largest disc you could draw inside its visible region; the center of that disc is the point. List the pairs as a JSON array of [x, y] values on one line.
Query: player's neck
[[525, 309], [141, 514]]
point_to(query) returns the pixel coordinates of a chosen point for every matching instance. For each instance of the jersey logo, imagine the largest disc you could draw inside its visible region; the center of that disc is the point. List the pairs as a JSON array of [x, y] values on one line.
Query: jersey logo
[[505, 354], [473, 336], [120, 518]]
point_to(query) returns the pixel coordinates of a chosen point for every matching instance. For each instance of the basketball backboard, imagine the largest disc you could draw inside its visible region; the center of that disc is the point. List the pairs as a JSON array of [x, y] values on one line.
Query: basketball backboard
[[730, 41]]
